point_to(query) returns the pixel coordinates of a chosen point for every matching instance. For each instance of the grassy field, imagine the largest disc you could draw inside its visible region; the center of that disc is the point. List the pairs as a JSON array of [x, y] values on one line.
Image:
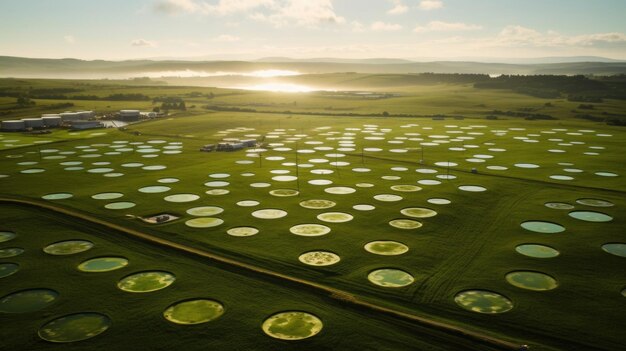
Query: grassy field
[[469, 244]]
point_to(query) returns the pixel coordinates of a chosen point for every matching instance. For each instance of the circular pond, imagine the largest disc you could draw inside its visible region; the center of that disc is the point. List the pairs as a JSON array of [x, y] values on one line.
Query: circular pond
[[418, 212], [438, 201], [194, 311], [405, 224], [617, 249], [269, 213], [483, 301], [387, 197], [319, 258], [27, 300], [242, 231], [284, 192], [154, 189], [340, 190], [75, 327], [57, 196], [542, 227], [68, 247], [531, 280], [168, 180], [405, 188], [363, 207], [248, 203], [335, 217], [146, 281], [103, 264], [7, 269], [6, 236], [472, 188], [181, 198], [107, 196], [595, 202], [537, 251], [309, 229], [317, 204], [205, 211], [11, 252], [204, 222], [386, 247], [590, 216], [559, 206], [390, 278], [122, 205], [292, 325]]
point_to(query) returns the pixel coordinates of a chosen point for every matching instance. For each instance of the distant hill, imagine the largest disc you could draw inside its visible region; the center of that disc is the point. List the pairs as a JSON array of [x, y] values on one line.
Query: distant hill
[[74, 68]]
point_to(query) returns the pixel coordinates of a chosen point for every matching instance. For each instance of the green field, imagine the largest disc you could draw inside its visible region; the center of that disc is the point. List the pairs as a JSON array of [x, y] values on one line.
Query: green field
[[513, 168]]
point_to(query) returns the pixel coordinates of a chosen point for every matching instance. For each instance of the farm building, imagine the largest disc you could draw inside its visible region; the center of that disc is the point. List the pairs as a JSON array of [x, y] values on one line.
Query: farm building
[[33, 122], [230, 146], [129, 115], [51, 121], [208, 147], [13, 125]]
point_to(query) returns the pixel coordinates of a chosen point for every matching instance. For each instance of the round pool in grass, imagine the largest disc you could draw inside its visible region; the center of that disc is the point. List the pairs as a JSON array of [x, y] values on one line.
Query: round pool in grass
[[181, 198], [418, 212], [154, 189], [242, 231], [536, 281], [559, 206], [205, 211], [309, 229], [537, 251], [7, 269], [617, 249], [292, 325], [68, 247], [390, 278], [248, 203], [319, 258], [194, 311], [107, 196], [340, 190], [204, 222], [144, 282], [595, 202], [75, 327], [386, 248], [26, 301], [6, 236], [439, 201], [168, 180], [11, 252], [483, 301], [103, 264], [542, 227], [388, 197], [284, 192], [316, 204], [591, 216], [472, 188], [57, 196], [335, 217], [216, 192], [269, 213], [405, 188], [405, 223], [364, 207], [122, 205]]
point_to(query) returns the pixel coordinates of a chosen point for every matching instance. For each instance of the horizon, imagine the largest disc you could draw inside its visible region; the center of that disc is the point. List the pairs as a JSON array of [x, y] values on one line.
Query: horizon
[[441, 30]]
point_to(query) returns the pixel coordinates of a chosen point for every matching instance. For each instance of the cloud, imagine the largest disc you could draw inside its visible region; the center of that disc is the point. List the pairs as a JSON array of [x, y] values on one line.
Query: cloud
[[308, 13], [357, 27], [428, 5], [398, 8], [225, 38], [515, 35], [386, 27], [143, 43], [69, 39], [439, 26], [223, 7]]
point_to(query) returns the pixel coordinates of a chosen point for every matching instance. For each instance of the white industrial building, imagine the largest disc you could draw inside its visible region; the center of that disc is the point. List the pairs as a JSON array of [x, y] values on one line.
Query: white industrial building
[[33, 122], [52, 121]]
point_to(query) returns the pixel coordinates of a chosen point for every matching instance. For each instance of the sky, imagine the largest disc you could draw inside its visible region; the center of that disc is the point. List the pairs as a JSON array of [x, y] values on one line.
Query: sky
[[489, 30]]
